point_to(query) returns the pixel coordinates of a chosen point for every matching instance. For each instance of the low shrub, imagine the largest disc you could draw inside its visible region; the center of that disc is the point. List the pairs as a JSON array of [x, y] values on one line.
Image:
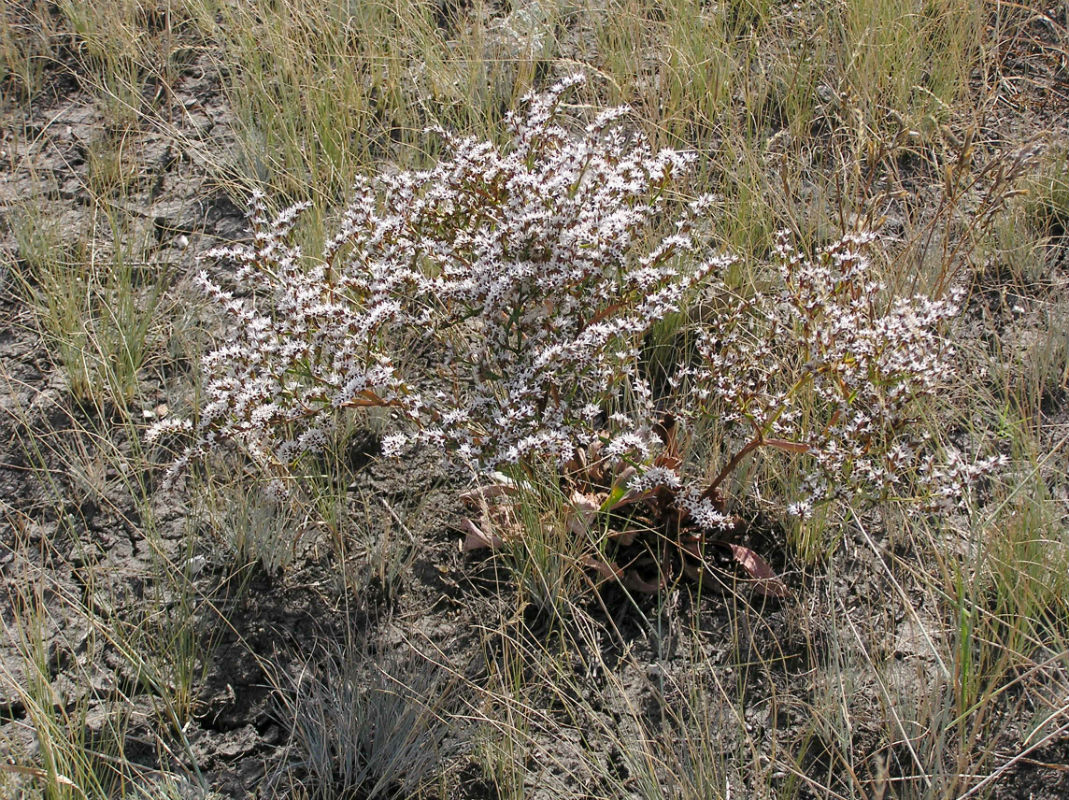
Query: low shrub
[[499, 306]]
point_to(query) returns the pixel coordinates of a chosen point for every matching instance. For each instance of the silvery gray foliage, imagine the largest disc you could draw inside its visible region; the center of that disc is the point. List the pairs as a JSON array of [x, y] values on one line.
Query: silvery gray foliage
[[522, 281], [368, 726]]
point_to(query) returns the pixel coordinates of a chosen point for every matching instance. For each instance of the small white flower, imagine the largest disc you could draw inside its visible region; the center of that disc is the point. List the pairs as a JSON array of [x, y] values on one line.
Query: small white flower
[[394, 445]]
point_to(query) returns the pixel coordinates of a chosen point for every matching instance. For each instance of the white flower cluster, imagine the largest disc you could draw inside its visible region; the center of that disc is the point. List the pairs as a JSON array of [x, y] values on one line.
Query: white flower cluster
[[497, 305], [825, 365], [301, 343], [525, 270], [538, 286], [868, 360]]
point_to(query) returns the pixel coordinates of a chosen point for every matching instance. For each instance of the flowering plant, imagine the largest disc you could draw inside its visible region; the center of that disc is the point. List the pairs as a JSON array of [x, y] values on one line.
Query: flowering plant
[[826, 365], [498, 305], [516, 276]]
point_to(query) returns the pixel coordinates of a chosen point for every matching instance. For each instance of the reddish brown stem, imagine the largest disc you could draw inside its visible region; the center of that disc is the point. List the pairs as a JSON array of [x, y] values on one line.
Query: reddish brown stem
[[710, 490], [753, 444]]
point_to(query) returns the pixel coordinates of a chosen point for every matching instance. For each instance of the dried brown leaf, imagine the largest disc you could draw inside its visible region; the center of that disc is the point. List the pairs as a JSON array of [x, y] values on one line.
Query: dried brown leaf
[[481, 495], [582, 512], [605, 569], [625, 538], [765, 578], [476, 539], [632, 581], [787, 446]]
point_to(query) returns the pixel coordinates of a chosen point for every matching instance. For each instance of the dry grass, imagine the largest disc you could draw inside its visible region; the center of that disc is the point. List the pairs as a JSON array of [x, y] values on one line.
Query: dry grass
[[920, 656]]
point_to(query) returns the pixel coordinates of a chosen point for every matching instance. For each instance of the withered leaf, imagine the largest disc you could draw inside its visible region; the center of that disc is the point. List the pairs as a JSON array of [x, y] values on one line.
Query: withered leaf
[[605, 569], [582, 512], [765, 578], [481, 495], [788, 446], [476, 539], [636, 583]]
